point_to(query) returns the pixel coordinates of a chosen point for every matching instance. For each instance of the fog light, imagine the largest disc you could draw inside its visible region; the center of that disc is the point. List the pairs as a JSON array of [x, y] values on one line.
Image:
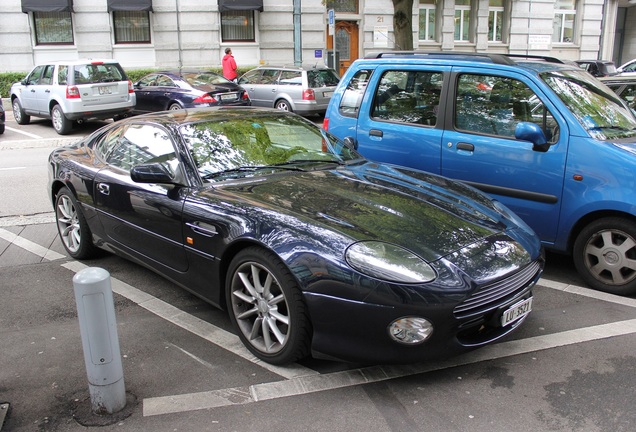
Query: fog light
[[410, 330]]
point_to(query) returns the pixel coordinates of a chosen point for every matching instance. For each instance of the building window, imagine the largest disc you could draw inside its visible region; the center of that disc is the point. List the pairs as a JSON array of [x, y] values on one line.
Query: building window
[[131, 27], [564, 18], [427, 20], [347, 6], [495, 20], [53, 28], [237, 26], [462, 20]]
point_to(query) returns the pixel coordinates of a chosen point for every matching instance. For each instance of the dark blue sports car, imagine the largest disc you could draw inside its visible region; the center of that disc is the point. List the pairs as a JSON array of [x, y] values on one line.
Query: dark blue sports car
[[311, 248], [173, 90]]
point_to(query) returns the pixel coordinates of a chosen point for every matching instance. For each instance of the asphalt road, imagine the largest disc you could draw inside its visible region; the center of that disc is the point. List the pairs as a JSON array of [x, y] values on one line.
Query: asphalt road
[[570, 367]]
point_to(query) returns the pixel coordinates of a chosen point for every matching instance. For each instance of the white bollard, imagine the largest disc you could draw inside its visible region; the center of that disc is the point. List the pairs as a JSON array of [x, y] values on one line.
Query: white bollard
[[98, 328]]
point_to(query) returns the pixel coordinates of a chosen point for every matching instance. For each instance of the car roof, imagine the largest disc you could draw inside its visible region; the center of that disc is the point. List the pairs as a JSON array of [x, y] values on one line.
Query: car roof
[[80, 62], [304, 67], [531, 62], [197, 115]]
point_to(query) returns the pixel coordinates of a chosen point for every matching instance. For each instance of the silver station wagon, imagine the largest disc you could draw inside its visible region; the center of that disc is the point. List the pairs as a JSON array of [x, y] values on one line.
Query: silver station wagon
[[305, 90], [73, 91]]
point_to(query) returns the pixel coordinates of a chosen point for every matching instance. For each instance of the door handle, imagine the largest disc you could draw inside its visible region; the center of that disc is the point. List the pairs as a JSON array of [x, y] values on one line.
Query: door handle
[[465, 146], [203, 229], [376, 133], [103, 188]]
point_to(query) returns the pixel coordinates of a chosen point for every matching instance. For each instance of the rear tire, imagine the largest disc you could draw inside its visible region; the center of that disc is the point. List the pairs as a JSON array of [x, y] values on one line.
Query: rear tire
[[604, 254], [61, 124], [283, 105], [18, 113], [174, 107]]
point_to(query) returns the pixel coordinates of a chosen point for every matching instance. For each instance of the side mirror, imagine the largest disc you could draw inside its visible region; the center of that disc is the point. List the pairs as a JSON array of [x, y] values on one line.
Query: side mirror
[[151, 173], [351, 143], [527, 131]]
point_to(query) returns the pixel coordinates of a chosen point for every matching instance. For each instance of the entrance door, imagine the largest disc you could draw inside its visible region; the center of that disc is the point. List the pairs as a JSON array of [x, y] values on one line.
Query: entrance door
[[346, 43]]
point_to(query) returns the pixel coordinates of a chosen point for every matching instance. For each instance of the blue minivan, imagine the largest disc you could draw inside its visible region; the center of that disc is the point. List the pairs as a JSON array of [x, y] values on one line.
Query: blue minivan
[[545, 138]]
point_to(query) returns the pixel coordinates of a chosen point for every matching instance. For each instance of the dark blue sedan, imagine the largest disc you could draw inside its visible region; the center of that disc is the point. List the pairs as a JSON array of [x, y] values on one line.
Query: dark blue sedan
[[174, 90], [311, 248]]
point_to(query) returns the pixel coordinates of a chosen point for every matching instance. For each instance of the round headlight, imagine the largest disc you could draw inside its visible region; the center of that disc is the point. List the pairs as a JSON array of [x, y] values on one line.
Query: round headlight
[[410, 330], [388, 262]]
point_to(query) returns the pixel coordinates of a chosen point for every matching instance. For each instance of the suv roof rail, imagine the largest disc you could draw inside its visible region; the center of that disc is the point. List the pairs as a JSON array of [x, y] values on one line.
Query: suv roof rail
[[493, 58], [486, 57]]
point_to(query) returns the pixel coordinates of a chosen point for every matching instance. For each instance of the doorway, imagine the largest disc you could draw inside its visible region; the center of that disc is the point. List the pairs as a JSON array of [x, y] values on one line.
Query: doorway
[[346, 43]]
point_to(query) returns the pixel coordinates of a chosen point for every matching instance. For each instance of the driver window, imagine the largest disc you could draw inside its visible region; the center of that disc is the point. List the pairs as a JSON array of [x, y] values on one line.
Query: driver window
[[493, 105], [143, 143]]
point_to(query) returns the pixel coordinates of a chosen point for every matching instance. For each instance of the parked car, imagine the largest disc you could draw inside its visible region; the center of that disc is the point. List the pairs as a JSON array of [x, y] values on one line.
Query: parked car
[[598, 68], [547, 139], [178, 89], [624, 86], [73, 91], [2, 119], [310, 247], [628, 69], [305, 90]]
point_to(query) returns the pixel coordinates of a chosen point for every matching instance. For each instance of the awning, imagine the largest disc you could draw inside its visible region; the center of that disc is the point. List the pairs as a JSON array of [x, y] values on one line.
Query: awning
[[47, 6], [239, 5], [129, 5]]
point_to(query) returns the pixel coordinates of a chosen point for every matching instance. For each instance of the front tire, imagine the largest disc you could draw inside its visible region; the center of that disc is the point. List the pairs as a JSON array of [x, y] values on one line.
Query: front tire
[[61, 124], [18, 113], [72, 226], [605, 255], [266, 306]]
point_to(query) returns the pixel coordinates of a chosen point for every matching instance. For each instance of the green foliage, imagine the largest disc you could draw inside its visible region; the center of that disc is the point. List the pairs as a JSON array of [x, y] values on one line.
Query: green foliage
[[7, 79]]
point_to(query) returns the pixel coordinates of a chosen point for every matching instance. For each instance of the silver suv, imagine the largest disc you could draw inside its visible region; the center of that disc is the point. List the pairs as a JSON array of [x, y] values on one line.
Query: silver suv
[[305, 90], [69, 91]]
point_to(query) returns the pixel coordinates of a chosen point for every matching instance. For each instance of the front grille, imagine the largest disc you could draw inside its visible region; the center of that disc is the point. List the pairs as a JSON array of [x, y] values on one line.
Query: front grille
[[492, 296]]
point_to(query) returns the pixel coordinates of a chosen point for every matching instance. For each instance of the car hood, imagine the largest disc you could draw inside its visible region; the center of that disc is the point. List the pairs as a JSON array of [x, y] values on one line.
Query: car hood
[[431, 215]]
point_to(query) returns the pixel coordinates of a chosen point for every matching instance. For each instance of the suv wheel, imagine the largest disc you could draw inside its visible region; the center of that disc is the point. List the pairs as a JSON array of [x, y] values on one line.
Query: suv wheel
[[18, 113], [61, 124], [604, 254], [283, 105]]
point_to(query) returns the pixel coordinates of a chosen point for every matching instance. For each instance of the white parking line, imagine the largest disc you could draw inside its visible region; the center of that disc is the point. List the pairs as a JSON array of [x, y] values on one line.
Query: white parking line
[[300, 380], [23, 133]]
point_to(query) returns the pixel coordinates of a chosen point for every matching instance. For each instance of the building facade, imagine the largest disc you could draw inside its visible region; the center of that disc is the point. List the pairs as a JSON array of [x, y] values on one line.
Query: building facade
[[195, 33]]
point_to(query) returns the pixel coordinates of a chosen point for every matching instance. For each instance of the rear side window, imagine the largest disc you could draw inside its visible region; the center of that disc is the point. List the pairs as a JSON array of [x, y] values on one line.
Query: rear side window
[[322, 78], [291, 78], [408, 97], [352, 96], [98, 73]]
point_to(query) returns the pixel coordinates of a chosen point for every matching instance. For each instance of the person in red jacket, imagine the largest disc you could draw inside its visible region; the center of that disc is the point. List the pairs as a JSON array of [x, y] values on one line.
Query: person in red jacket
[[229, 65]]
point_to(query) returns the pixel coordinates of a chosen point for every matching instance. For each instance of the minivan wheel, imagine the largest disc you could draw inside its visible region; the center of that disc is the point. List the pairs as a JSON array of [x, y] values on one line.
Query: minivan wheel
[[18, 113], [605, 255], [283, 105], [61, 124]]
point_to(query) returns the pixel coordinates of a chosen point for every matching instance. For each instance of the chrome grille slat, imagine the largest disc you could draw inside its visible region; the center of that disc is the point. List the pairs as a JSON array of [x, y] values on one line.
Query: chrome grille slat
[[486, 298]]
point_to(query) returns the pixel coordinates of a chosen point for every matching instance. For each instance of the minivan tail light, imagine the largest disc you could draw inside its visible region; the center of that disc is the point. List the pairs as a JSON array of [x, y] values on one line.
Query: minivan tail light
[[131, 88], [309, 95], [72, 92], [206, 98], [325, 124]]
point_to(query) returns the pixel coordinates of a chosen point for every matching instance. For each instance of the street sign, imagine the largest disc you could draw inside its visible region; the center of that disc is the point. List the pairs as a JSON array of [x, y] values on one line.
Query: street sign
[[332, 17]]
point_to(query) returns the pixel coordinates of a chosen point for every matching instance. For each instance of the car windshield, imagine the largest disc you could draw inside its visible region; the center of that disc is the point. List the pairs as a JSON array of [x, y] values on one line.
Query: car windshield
[[597, 108], [249, 145], [199, 79]]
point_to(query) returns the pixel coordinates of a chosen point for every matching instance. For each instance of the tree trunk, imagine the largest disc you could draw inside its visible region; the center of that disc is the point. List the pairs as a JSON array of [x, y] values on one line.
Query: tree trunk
[[403, 24]]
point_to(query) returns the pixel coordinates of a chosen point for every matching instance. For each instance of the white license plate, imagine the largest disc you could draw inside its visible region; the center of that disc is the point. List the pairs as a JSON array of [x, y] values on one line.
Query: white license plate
[[516, 311], [228, 97], [327, 94], [105, 90]]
